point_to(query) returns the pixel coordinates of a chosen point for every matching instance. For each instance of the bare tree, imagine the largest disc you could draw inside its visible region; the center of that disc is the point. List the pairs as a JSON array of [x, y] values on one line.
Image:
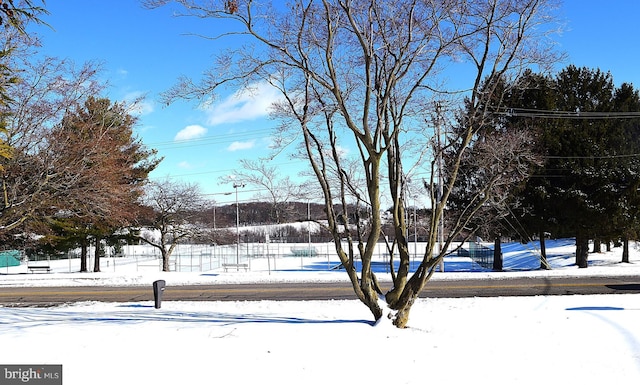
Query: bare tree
[[363, 75], [174, 206], [14, 48], [278, 189], [47, 89]]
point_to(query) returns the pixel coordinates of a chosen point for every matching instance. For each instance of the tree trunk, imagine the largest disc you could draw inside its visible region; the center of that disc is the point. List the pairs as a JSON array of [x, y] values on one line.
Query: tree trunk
[[165, 260], [96, 255], [411, 290], [625, 249], [544, 264], [370, 299], [582, 251], [405, 302], [83, 255], [497, 254], [597, 245]]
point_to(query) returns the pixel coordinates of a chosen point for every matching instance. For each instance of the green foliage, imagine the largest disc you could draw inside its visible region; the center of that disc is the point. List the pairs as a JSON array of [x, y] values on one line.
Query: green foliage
[[18, 16], [494, 167], [110, 166], [589, 180]]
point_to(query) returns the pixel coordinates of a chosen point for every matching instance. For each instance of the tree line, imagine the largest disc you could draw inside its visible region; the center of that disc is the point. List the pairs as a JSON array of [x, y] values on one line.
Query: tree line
[[581, 134]]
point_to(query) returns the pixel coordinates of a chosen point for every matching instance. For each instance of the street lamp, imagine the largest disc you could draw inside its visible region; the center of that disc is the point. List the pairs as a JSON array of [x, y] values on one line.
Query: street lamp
[[236, 186]]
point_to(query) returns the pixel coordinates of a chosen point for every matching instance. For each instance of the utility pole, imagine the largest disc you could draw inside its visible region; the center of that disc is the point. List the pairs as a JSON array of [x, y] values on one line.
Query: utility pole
[[440, 187], [415, 226], [236, 186], [440, 184]]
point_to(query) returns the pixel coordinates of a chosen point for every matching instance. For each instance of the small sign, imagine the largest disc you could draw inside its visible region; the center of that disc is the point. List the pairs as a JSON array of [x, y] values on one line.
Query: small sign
[[31, 374]]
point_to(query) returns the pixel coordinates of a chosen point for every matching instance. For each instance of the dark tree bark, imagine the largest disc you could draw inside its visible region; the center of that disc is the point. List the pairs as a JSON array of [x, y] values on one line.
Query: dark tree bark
[[597, 245], [497, 255], [625, 249], [96, 255], [582, 251], [84, 246], [544, 264]]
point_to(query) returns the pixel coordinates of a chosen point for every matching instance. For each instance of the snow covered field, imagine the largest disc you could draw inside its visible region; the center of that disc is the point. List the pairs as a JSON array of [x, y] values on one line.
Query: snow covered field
[[530, 340]]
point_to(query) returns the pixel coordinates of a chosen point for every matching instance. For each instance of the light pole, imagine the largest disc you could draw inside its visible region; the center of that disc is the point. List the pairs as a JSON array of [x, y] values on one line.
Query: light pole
[[415, 227], [309, 223], [236, 186]]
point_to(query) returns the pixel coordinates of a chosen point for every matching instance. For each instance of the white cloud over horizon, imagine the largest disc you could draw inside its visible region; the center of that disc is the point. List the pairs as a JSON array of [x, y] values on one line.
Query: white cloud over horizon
[[251, 103], [193, 131]]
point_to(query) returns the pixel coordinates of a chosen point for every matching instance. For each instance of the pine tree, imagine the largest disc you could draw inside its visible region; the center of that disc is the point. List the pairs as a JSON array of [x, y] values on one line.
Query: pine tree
[[106, 167], [587, 185]]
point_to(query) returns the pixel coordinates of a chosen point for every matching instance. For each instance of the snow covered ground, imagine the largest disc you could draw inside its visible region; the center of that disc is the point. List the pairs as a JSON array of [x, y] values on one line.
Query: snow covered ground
[[591, 339]]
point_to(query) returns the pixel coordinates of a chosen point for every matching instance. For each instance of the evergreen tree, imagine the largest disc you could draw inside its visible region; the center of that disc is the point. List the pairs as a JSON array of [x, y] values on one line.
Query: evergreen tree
[[498, 162], [107, 167], [585, 187], [530, 214], [625, 216]]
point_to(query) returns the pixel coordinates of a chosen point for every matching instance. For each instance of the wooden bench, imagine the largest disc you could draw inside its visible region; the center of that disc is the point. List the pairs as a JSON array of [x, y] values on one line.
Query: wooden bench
[[34, 268], [237, 266]]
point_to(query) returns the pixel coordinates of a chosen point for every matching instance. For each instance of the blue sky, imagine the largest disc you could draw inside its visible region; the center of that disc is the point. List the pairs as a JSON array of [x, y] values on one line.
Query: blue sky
[[143, 52]]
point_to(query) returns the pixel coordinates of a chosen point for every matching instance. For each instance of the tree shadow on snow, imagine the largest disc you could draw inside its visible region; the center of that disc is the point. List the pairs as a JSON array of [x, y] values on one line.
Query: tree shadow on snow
[[22, 318], [595, 308], [627, 334]]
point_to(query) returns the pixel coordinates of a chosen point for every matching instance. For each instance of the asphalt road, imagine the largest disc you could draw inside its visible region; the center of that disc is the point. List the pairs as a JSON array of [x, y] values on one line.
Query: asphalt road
[[47, 296]]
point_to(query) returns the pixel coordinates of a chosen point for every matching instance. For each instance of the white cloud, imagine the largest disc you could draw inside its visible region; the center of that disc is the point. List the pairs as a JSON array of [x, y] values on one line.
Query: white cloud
[[138, 104], [251, 103], [185, 165], [142, 107], [237, 146], [191, 132]]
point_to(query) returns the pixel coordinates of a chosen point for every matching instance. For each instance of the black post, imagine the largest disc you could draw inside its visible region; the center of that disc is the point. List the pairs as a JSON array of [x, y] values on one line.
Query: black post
[[158, 289], [497, 254]]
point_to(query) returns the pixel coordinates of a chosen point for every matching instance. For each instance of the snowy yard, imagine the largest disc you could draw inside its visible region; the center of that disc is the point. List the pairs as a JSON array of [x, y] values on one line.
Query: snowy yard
[[591, 339]]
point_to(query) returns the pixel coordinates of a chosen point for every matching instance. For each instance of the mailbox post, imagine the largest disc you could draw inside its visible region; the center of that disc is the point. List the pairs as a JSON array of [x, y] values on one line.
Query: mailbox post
[[158, 289]]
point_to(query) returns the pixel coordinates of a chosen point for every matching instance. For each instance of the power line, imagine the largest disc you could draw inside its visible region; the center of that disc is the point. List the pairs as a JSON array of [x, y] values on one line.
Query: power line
[[622, 156], [554, 114], [208, 140], [212, 171]]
